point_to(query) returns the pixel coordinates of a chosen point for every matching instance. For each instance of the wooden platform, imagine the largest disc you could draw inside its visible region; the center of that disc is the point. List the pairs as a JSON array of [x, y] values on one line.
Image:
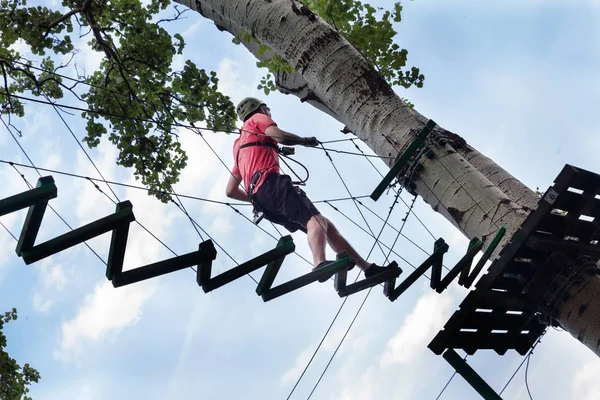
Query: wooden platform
[[502, 313]]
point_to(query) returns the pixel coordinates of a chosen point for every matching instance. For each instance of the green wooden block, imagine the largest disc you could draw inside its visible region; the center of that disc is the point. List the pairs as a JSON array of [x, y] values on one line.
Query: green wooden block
[[464, 264], [304, 280], [403, 159], [416, 274], [118, 244], [77, 236], [472, 377], [204, 269], [486, 256], [268, 277], [436, 267], [464, 273], [45, 190], [249, 266], [366, 283], [162, 267]]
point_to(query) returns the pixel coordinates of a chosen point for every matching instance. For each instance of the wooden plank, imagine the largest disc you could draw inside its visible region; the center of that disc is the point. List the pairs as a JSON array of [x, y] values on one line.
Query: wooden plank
[[550, 244], [268, 277], [472, 377], [470, 342], [162, 267], [247, 267], [511, 283], [560, 226], [436, 266], [504, 321], [485, 257], [526, 268], [402, 160], [77, 236], [204, 269], [492, 299], [569, 201], [339, 281], [304, 280], [416, 274], [44, 191], [370, 282], [32, 225], [585, 180], [464, 273], [118, 244], [464, 264]]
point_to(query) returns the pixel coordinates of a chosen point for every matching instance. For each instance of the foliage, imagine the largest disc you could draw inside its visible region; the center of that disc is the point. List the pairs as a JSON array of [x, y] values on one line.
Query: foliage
[[136, 98], [14, 381], [369, 29]]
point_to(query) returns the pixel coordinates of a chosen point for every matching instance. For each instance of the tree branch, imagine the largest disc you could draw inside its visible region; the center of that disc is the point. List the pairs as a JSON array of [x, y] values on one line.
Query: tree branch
[[68, 15], [6, 86]]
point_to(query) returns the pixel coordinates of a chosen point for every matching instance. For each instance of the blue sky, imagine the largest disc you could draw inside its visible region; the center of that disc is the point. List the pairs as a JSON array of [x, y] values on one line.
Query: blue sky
[[517, 79]]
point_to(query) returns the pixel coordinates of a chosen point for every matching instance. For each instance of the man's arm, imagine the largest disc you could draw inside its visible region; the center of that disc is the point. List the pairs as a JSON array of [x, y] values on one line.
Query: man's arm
[[287, 138], [233, 189]]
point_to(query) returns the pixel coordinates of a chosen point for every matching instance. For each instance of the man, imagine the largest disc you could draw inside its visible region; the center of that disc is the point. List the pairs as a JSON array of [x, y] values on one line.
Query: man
[[256, 164]]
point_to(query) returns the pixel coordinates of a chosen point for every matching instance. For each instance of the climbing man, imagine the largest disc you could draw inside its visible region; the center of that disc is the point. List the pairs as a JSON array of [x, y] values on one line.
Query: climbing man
[[256, 163]]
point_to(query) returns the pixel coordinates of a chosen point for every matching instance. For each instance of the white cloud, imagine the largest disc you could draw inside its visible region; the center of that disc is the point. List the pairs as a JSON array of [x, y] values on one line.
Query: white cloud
[[221, 224], [586, 385], [293, 373], [330, 343], [428, 316], [51, 281], [105, 312], [362, 388]]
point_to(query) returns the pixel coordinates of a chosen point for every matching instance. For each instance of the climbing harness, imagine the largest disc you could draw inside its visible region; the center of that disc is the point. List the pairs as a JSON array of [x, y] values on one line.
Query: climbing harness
[[285, 152]]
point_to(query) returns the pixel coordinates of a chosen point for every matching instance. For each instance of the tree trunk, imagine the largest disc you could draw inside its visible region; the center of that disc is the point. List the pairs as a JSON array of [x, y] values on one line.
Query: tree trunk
[[470, 190]]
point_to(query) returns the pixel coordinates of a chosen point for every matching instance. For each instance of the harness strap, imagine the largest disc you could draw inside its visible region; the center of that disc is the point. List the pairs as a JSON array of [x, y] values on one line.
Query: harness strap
[[257, 143]]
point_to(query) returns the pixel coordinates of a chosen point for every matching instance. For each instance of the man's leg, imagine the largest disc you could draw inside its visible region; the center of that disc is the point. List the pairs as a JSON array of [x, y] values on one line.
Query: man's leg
[[338, 243], [316, 232]]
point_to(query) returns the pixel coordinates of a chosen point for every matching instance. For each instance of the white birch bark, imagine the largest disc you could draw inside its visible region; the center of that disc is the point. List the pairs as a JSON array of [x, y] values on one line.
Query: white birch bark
[[338, 78]]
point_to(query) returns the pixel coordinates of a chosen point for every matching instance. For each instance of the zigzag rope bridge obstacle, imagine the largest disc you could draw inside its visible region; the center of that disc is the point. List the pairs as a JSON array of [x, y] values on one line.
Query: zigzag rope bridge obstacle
[[36, 200]]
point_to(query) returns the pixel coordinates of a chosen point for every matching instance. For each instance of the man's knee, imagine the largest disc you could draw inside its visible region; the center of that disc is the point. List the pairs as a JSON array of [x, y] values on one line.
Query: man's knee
[[319, 220]]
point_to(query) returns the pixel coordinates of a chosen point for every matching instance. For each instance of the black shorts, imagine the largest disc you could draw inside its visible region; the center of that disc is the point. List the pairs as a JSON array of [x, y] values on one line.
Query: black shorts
[[283, 203]]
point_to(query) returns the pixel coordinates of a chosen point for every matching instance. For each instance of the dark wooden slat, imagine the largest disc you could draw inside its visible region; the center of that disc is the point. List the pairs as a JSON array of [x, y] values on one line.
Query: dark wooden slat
[[548, 244], [416, 274], [436, 266], [492, 299], [118, 243], [560, 226], [462, 266], [485, 257], [483, 320], [470, 342], [526, 268], [464, 273], [77, 236], [247, 267], [370, 282], [32, 225], [402, 160], [509, 283], [162, 267], [268, 277], [339, 281], [304, 280], [585, 180], [44, 191], [204, 269], [476, 381]]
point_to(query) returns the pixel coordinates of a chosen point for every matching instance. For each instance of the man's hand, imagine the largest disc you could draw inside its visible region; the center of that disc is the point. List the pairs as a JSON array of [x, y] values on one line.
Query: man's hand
[[311, 142]]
